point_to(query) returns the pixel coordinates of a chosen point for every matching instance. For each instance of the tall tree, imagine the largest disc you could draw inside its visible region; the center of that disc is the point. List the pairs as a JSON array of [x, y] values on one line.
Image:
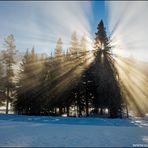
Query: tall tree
[[21, 103], [8, 58], [106, 77], [58, 49], [1, 75], [83, 44], [74, 49], [2, 89], [29, 88], [101, 40]]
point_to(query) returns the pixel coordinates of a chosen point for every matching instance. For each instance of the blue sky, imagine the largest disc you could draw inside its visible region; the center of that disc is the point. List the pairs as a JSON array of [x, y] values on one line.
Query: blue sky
[[40, 24], [99, 11]]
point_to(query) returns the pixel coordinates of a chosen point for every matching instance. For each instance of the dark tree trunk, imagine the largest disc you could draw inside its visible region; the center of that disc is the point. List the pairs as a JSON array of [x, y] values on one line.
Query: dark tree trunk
[[87, 113], [55, 110], [7, 101], [80, 111], [101, 111], [67, 111], [60, 110], [113, 112]]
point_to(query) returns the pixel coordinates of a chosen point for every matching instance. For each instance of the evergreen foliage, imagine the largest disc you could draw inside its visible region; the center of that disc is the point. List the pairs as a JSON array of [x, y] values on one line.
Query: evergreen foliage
[[9, 61], [64, 83]]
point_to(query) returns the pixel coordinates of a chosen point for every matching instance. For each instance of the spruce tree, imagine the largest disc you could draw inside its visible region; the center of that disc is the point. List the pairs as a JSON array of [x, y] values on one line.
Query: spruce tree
[[83, 44], [58, 49], [74, 49], [8, 58], [101, 40], [108, 89], [29, 88], [22, 101], [2, 88], [1, 75]]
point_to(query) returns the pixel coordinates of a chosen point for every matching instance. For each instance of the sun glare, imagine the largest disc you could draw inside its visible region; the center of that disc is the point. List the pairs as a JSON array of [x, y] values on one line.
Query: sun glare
[[134, 84]]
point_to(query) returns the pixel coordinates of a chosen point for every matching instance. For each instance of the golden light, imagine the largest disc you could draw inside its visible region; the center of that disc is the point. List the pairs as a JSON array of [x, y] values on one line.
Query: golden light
[[134, 84]]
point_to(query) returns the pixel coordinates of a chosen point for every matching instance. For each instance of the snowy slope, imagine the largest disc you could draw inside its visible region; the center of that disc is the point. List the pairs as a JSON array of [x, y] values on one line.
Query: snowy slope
[[66, 132]]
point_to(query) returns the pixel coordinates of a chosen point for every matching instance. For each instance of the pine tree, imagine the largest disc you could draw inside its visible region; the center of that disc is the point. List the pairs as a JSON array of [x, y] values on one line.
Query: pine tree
[[58, 49], [108, 93], [83, 44], [8, 58], [22, 102], [29, 88], [82, 89], [58, 58], [1, 75], [74, 49], [101, 37], [2, 89], [45, 85]]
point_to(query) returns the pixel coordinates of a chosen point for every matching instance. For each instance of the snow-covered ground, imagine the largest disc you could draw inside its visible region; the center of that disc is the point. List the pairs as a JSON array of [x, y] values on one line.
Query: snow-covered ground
[[31, 131]]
